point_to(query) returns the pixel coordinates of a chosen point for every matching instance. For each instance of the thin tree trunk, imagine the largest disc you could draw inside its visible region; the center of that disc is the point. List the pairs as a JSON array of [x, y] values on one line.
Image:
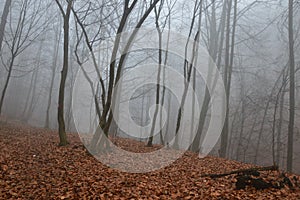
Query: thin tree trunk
[[111, 94], [230, 136], [28, 109], [261, 130], [33, 101], [53, 69], [64, 72], [188, 67], [279, 127], [279, 100], [142, 113], [249, 138], [164, 80], [193, 106], [264, 117], [292, 89], [3, 21], [69, 114], [104, 123], [6, 82], [243, 117], [243, 95], [205, 105], [228, 75], [159, 32], [168, 119]]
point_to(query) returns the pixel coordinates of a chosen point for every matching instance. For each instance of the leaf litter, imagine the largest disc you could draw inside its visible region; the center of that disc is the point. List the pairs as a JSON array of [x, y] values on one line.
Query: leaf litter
[[32, 166]]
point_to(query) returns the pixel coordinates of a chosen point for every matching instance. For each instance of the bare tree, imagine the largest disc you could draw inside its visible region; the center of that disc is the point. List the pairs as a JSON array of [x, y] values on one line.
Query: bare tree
[[21, 36], [64, 72], [160, 61], [215, 47], [188, 67], [115, 67], [228, 73]]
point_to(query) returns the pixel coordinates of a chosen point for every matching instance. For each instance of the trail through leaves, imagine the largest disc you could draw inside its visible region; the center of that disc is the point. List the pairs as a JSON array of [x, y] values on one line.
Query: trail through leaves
[[32, 166]]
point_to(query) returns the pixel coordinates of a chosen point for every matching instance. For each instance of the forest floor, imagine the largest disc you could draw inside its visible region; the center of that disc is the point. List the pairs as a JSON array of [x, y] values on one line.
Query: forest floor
[[32, 166]]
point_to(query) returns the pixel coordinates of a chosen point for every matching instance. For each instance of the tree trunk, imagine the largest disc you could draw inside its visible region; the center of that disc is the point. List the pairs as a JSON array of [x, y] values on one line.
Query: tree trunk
[[214, 38], [6, 82], [188, 66], [292, 89], [64, 72], [279, 127], [30, 101], [159, 32], [227, 80], [3, 21], [279, 100], [113, 80], [261, 129], [242, 123], [53, 69]]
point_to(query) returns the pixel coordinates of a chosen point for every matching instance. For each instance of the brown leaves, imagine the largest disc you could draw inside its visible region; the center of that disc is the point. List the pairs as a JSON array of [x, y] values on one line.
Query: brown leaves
[[32, 166]]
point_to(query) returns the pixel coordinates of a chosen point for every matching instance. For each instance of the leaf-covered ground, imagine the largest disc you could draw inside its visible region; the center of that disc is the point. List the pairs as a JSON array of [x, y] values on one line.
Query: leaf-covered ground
[[32, 166]]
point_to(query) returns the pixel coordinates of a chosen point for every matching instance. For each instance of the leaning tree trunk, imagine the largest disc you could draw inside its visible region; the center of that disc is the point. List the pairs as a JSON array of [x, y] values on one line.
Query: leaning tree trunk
[[2, 29], [6, 82], [110, 103], [188, 66]]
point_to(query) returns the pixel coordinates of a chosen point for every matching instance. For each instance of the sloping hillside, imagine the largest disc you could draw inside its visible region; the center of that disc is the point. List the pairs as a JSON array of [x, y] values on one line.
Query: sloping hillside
[[32, 166]]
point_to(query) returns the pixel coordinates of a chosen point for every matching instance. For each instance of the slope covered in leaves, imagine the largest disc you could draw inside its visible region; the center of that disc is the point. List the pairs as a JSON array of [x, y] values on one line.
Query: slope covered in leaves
[[32, 166]]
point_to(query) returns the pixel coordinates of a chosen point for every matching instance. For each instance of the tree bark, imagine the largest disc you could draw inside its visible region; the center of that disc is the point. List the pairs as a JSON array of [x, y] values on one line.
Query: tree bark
[[292, 89], [64, 72], [227, 75]]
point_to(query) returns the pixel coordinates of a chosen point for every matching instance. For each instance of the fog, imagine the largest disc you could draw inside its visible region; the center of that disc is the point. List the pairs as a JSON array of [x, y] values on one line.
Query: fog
[[250, 50]]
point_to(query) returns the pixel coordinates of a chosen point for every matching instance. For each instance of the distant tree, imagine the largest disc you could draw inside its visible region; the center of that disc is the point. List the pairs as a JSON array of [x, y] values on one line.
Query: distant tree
[[188, 66], [53, 70], [159, 29], [215, 42], [31, 98], [24, 30]]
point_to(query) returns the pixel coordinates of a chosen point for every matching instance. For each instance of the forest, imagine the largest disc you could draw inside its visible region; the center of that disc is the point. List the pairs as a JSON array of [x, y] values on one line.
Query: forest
[[150, 99]]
